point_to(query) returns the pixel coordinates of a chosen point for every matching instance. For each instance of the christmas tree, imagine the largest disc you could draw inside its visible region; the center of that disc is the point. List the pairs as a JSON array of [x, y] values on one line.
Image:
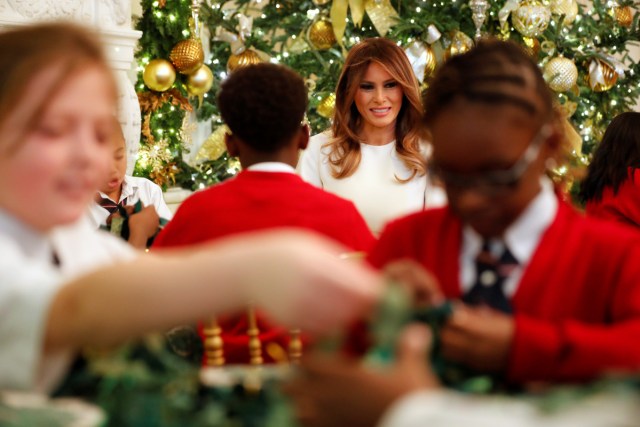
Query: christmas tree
[[582, 50]]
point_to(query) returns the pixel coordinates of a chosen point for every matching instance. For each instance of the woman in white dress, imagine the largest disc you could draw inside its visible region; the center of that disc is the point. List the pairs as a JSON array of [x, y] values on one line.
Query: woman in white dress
[[373, 154]]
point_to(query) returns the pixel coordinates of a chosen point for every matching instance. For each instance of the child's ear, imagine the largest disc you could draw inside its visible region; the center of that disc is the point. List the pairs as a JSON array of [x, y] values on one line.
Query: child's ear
[[303, 137], [232, 145]]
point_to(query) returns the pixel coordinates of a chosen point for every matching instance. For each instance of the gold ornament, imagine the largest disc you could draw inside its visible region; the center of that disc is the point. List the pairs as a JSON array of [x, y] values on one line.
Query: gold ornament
[[561, 74], [602, 76], [213, 147], [187, 56], [624, 15], [159, 75], [321, 35], [460, 43], [200, 82], [531, 18], [568, 8], [244, 58], [327, 106], [321, 2]]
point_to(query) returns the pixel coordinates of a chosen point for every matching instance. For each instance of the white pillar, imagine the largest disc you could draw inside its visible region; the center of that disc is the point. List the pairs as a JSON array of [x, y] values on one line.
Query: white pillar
[[113, 20]]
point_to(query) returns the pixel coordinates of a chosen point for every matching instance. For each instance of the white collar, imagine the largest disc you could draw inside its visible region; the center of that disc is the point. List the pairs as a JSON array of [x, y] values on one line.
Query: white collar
[[522, 237], [129, 188], [33, 243], [271, 167]]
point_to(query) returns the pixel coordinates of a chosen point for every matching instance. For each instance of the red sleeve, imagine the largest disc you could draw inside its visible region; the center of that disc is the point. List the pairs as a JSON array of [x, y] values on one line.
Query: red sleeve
[[179, 230], [394, 243], [568, 350]]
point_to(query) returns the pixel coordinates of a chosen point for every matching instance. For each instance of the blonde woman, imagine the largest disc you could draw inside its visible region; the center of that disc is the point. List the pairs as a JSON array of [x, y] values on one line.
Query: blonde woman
[[373, 154]]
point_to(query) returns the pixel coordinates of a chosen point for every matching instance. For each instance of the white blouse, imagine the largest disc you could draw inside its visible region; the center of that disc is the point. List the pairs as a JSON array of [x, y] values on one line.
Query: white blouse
[[373, 187]]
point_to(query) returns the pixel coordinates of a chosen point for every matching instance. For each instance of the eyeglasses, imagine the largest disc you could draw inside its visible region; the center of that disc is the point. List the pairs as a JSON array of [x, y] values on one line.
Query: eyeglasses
[[498, 182]]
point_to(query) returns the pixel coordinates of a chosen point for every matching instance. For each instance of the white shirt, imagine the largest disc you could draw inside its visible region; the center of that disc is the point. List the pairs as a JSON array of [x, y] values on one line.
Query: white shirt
[[373, 187], [28, 284], [133, 189], [521, 237], [271, 167]]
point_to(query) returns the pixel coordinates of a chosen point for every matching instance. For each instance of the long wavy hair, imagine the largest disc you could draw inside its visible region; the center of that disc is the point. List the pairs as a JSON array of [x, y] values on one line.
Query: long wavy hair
[[617, 152], [344, 145]]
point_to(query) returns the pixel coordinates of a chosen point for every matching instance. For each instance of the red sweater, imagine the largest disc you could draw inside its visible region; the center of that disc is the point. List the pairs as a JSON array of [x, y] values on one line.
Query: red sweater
[[577, 306], [623, 206], [256, 201]]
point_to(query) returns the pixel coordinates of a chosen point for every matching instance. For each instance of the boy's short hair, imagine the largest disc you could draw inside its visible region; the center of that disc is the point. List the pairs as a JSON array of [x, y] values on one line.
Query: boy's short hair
[[263, 105]]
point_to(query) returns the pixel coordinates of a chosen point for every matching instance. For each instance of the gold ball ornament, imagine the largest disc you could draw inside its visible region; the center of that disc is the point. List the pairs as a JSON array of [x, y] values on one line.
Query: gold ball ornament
[[187, 56], [200, 82], [568, 8], [321, 35], [327, 106], [601, 76], [159, 75], [623, 15], [561, 74], [244, 58], [531, 18]]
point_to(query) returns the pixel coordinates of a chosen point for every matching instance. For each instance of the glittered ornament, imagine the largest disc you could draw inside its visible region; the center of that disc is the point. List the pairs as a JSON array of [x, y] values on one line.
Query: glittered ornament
[[602, 76], [187, 56], [327, 106], [561, 74], [531, 18], [199, 82], [242, 59], [568, 8], [159, 75], [623, 15], [460, 43], [321, 35]]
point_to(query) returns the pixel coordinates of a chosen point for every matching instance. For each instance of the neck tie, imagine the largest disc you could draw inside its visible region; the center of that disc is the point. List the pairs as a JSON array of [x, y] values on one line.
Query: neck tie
[[491, 274], [110, 205]]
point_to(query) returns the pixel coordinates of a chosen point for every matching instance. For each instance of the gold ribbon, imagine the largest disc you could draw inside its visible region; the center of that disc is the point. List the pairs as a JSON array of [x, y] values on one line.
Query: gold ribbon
[[381, 12], [503, 14], [382, 15], [213, 147]]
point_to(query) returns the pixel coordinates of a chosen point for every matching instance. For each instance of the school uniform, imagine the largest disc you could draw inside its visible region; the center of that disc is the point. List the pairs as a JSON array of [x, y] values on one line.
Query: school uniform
[[33, 266], [623, 206], [134, 189], [265, 196], [575, 298]]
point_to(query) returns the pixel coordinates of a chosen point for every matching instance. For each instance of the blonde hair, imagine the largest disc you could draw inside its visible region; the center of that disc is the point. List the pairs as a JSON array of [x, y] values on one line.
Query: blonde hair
[[344, 147], [26, 54]]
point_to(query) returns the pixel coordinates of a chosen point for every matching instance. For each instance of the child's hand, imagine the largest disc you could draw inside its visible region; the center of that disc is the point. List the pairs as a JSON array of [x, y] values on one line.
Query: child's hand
[[142, 225], [421, 284], [478, 337], [334, 391]]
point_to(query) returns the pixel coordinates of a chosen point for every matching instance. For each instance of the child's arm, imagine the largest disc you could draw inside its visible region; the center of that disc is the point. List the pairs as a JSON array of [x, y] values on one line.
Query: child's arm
[[156, 292], [142, 226]]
